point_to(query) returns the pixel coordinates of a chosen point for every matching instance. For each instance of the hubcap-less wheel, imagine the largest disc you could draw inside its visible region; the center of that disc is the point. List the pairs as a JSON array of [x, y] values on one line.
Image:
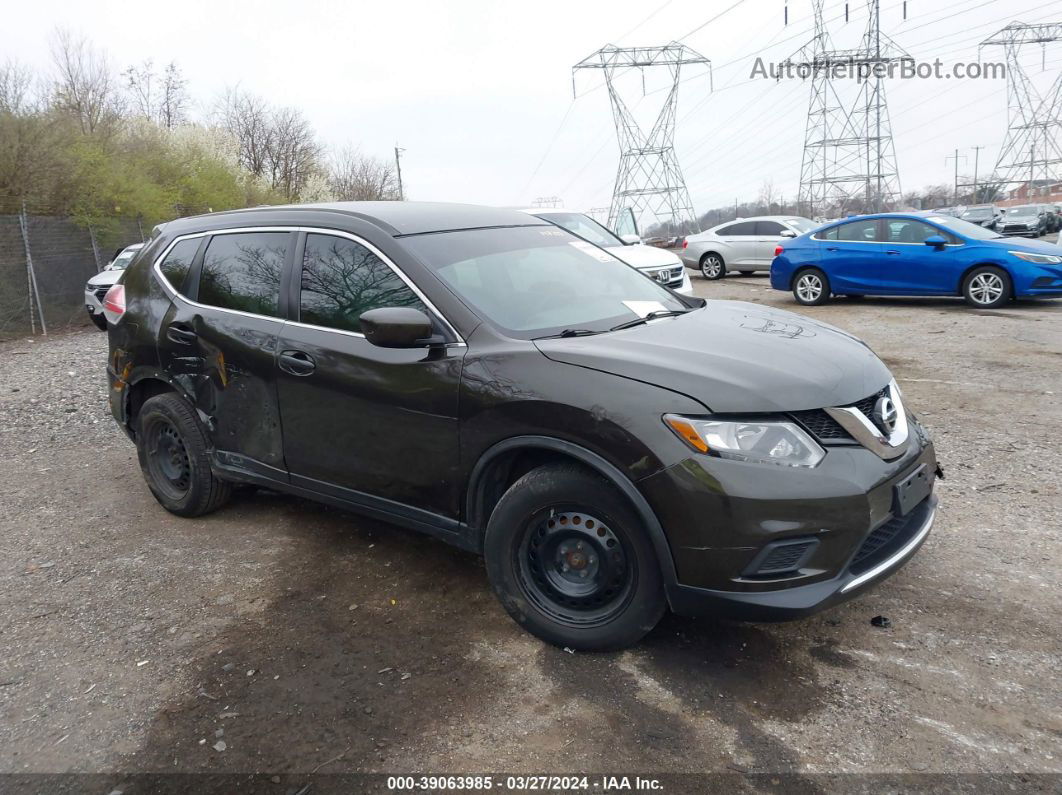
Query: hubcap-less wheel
[[168, 459], [986, 288], [575, 568], [712, 267], [809, 287]]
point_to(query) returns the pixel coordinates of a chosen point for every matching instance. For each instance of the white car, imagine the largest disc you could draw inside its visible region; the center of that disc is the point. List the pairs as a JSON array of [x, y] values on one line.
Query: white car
[[664, 266], [745, 245], [98, 285]]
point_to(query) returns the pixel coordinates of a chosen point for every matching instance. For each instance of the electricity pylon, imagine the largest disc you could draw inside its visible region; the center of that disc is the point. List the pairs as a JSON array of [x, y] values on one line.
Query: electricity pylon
[[848, 149], [648, 178], [1032, 150]]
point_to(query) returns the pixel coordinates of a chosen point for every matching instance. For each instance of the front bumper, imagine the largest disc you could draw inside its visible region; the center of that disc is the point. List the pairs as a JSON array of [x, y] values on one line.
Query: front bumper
[[722, 518], [92, 303], [800, 601]]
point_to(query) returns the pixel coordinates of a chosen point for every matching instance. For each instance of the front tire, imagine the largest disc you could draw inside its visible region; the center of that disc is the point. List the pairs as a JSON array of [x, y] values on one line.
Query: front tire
[[811, 287], [987, 287], [712, 266], [174, 458], [570, 562]]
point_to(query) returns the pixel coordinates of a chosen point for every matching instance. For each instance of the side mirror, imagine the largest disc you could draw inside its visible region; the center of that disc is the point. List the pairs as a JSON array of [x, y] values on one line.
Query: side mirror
[[936, 241], [631, 239], [787, 233], [397, 327]]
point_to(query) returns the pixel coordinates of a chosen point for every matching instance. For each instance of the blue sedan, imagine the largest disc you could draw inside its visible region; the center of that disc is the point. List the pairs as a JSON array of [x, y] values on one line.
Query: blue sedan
[[902, 254]]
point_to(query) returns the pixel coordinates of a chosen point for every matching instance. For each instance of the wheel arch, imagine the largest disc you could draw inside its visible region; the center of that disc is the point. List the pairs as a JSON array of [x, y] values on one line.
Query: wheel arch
[[503, 463], [140, 391], [799, 269], [707, 252]]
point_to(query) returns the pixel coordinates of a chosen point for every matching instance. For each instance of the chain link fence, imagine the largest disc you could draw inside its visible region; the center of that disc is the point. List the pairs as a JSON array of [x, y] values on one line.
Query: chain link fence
[[64, 256]]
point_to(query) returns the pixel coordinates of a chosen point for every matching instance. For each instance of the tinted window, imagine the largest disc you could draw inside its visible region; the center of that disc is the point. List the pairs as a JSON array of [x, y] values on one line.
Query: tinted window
[[769, 229], [178, 261], [242, 271], [585, 227], [341, 279], [743, 228], [907, 230], [857, 231]]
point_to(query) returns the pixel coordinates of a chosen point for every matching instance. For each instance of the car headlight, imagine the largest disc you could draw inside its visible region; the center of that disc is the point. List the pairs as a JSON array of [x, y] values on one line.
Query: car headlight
[[762, 441], [1039, 259]]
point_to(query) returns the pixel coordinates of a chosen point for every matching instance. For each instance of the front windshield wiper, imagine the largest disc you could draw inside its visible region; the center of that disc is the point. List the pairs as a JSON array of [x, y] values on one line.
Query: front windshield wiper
[[651, 316], [569, 332]]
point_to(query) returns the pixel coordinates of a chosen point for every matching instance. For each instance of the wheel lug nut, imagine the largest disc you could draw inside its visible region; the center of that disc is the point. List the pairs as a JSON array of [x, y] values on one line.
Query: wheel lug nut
[[583, 573]]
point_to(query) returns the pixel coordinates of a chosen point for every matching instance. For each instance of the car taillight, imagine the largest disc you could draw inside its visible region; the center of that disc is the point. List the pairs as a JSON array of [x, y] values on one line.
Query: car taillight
[[114, 304], [685, 242], [778, 249]]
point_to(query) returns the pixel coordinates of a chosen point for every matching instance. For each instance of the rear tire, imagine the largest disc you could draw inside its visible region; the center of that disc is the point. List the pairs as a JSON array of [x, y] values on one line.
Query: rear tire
[[712, 266], [99, 321], [987, 287], [570, 562], [811, 287], [174, 458]]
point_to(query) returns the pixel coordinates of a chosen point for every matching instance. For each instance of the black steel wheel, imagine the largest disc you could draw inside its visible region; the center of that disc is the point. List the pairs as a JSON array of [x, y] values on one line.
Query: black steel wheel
[[99, 321], [175, 459], [571, 562]]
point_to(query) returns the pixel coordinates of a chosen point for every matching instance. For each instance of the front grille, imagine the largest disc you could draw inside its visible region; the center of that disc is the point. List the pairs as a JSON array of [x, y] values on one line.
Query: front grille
[[101, 291], [887, 538], [1016, 228], [826, 428]]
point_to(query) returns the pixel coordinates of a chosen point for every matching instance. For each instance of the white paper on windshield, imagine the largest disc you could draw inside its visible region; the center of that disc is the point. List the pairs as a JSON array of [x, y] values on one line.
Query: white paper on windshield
[[592, 250], [643, 308]]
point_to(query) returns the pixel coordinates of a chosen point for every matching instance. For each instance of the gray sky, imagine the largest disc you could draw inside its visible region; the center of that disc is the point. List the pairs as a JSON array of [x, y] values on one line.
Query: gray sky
[[480, 93]]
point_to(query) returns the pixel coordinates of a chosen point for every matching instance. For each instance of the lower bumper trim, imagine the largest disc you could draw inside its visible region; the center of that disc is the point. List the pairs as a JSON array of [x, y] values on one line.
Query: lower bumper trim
[[900, 554]]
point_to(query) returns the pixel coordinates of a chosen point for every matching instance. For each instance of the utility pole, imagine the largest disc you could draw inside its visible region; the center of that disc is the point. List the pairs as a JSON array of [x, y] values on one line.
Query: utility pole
[[955, 157], [398, 169], [977, 158]]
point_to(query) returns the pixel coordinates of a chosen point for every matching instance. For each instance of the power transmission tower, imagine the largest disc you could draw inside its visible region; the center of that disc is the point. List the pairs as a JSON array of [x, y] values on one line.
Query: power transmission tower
[[848, 149], [648, 178], [548, 202], [1032, 150]]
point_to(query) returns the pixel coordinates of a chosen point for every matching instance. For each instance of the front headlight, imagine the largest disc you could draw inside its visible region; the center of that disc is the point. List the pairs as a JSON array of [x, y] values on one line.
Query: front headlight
[[1039, 259], [761, 441]]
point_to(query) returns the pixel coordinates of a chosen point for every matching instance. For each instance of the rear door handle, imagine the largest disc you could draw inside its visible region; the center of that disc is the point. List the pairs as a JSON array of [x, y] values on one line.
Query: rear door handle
[[832, 248], [892, 251], [296, 362], [181, 334]]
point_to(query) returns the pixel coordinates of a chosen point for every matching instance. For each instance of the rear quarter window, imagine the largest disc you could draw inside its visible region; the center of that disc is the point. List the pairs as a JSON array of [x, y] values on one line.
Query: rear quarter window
[[176, 264]]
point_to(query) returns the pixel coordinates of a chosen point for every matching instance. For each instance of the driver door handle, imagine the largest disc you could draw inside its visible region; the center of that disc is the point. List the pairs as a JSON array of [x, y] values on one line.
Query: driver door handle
[[892, 251], [832, 248], [296, 362]]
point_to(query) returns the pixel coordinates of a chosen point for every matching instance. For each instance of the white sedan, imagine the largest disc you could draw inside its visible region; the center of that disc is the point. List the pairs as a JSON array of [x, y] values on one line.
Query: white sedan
[[664, 266], [745, 245]]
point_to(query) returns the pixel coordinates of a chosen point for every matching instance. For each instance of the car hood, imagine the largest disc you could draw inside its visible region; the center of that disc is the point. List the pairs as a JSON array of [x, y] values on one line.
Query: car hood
[[640, 256], [1035, 246], [735, 357], [105, 278]]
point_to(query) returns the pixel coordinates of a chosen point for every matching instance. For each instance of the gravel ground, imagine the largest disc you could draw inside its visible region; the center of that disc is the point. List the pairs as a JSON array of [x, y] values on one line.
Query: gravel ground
[[285, 637]]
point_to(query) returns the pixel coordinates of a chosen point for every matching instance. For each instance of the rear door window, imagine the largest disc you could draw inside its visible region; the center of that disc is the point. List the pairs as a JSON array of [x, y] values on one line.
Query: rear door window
[[739, 229], [242, 271], [769, 229], [857, 232]]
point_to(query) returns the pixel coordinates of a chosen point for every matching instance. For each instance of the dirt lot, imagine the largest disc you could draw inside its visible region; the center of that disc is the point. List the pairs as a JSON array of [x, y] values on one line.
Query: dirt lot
[[285, 637]]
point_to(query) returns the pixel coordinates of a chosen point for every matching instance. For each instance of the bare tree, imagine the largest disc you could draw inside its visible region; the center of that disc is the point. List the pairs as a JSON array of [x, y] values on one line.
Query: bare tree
[[161, 98], [16, 88], [353, 176], [247, 119], [293, 150], [85, 86]]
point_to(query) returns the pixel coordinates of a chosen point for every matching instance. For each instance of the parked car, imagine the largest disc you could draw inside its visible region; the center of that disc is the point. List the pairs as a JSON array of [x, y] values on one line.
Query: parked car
[[490, 379], [745, 245], [1054, 214], [664, 266], [902, 254], [1025, 220], [96, 287], [986, 215]]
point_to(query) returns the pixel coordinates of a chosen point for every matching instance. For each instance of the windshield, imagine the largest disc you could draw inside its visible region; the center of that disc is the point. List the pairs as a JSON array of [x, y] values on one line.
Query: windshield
[[584, 226], [980, 212], [121, 262], [1022, 212], [964, 228], [803, 224], [537, 281]]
